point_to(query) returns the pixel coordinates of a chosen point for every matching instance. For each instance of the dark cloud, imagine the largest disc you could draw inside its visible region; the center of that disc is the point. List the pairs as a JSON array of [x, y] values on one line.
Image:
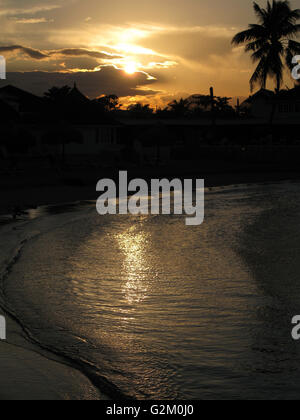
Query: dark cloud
[[27, 4], [65, 52], [108, 80], [24, 7], [195, 34], [79, 63], [30, 52], [77, 52]]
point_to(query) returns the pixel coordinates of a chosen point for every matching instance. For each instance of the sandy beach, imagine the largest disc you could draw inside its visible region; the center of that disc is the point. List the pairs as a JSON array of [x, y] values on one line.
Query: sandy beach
[[29, 372], [31, 375]]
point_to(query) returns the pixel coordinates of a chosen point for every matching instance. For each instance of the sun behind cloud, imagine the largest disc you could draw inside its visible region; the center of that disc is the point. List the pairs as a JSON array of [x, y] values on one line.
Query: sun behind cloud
[[131, 67]]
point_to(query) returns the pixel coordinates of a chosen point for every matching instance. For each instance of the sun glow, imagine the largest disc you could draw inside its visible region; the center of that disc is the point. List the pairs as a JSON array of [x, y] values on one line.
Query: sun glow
[[130, 68]]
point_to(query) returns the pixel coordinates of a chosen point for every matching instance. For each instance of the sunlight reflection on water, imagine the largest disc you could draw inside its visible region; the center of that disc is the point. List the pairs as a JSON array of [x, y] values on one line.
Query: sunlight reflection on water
[[135, 266], [168, 311]]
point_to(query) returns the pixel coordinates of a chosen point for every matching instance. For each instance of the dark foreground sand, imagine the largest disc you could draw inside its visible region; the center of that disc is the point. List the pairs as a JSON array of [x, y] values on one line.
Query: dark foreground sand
[[28, 375]]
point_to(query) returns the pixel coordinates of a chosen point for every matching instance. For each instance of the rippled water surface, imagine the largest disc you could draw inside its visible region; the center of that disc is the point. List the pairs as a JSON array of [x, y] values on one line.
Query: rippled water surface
[[163, 310]]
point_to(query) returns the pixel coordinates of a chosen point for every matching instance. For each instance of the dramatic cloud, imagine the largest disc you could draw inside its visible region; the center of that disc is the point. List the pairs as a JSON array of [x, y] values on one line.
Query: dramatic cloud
[[30, 21], [77, 52], [16, 11], [35, 54], [166, 49], [73, 52], [108, 80]]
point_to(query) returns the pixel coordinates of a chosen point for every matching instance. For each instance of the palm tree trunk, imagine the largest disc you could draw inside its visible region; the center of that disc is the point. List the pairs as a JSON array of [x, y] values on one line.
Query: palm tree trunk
[[274, 104]]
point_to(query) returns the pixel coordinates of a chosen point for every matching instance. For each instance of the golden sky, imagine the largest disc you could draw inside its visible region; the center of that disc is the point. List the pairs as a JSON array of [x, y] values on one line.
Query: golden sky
[[141, 50]]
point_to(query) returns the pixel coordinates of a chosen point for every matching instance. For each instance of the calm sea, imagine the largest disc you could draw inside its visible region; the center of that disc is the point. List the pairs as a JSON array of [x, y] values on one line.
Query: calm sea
[[162, 310]]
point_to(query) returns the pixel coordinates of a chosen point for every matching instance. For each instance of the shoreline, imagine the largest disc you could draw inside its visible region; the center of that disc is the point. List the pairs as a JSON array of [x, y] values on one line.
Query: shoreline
[[32, 376], [28, 373], [34, 196], [31, 373]]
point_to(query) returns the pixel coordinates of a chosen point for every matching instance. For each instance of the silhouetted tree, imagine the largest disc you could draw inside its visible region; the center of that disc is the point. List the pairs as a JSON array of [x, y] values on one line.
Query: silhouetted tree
[[206, 103], [271, 41], [57, 95], [180, 108], [202, 102], [163, 112], [222, 105], [140, 110], [109, 102]]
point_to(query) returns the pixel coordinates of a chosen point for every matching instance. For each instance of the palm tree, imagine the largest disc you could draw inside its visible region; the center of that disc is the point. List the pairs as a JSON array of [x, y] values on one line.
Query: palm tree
[[204, 102], [57, 95], [271, 41], [140, 110], [109, 102], [180, 108]]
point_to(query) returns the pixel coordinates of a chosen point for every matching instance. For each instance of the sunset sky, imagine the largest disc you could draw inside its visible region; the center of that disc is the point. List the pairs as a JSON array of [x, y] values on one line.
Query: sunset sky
[[149, 51]]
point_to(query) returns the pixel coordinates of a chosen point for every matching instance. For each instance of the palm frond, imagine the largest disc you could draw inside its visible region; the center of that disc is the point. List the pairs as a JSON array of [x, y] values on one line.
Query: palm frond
[[260, 13], [271, 41], [256, 45], [260, 53], [294, 46], [251, 34], [259, 76], [294, 15], [292, 49], [289, 30]]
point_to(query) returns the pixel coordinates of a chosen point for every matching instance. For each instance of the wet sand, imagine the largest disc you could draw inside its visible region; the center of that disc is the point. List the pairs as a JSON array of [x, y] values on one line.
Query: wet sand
[[29, 372], [29, 375]]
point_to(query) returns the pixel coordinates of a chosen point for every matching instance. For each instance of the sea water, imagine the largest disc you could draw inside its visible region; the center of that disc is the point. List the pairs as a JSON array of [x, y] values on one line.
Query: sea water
[[162, 310]]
